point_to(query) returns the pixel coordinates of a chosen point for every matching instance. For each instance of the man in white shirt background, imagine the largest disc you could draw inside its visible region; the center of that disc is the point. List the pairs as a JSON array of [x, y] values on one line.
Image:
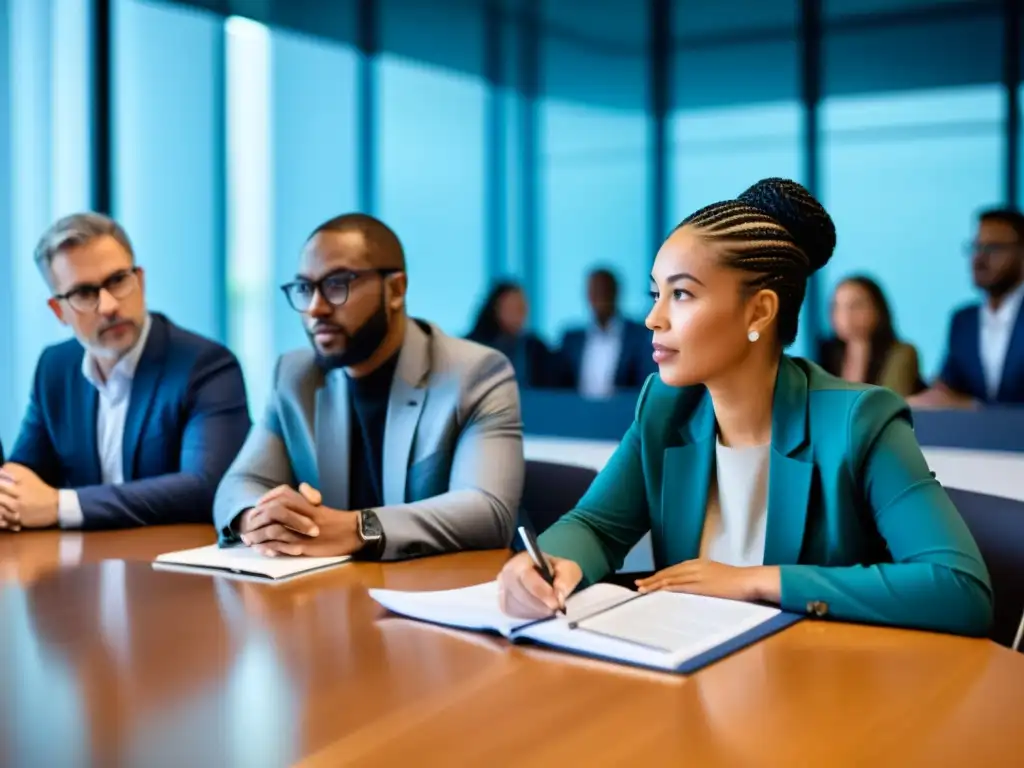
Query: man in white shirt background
[[985, 354], [612, 353]]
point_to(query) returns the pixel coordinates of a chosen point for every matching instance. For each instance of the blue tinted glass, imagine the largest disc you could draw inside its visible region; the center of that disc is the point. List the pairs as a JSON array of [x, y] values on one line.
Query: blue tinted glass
[[45, 173], [169, 163], [594, 178], [903, 176], [431, 184]]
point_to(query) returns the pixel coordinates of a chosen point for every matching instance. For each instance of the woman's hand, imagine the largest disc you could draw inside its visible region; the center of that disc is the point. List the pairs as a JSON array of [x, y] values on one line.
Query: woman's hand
[[706, 577], [523, 593]]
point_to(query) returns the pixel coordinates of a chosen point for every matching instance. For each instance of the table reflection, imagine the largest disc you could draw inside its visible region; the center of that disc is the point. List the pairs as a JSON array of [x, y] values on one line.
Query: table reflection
[[27, 556], [830, 681], [138, 650]]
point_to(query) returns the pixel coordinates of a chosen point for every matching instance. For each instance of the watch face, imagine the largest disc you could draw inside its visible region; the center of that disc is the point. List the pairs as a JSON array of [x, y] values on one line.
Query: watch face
[[371, 526]]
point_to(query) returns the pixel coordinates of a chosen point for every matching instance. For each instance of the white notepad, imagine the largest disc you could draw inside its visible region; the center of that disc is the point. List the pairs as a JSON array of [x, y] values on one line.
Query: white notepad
[[669, 631], [244, 563]]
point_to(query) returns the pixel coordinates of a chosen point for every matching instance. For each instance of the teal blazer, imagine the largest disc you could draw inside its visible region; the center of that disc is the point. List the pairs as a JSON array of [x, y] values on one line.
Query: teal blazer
[[861, 529]]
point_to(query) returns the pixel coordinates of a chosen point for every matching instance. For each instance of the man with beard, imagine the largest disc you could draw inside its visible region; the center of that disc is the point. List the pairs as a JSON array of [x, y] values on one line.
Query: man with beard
[[985, 355], [135, 420], [388, 439]]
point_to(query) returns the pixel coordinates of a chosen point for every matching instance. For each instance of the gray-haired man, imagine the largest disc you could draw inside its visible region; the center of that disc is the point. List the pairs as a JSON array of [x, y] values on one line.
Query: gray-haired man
[[134, 421]]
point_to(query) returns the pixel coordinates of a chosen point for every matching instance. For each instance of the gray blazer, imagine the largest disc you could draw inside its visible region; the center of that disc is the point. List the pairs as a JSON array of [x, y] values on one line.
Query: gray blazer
[[453, 446]]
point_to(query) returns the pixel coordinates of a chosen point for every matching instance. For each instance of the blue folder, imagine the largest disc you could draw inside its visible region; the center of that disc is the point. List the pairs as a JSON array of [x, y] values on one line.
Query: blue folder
[[766, 629]]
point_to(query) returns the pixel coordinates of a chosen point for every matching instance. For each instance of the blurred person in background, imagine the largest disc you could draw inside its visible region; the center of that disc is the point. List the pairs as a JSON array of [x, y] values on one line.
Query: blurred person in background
[[611, 353], [864, 348], [985, 352], [501, 325]]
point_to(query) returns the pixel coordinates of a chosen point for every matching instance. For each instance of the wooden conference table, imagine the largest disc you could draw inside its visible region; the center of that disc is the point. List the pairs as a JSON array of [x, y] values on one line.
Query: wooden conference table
[[106, 661]]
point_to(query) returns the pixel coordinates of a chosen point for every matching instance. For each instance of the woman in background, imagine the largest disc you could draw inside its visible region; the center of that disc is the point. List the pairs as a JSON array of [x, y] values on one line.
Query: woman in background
[[865, 349], [760, 476], [501, 325]]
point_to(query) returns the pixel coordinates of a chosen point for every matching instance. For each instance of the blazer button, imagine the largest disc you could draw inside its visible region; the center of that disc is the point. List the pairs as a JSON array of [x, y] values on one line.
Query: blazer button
[[817, 607]]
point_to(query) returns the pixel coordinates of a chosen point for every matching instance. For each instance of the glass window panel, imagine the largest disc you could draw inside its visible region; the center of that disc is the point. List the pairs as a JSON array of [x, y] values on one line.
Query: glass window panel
[[430, 181], [49, 169], [594, 175], [169, 162], [903, 175], [839, 9]]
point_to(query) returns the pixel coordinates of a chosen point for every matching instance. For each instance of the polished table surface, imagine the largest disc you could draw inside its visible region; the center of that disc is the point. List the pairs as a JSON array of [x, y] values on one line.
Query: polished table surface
[[106, 661]]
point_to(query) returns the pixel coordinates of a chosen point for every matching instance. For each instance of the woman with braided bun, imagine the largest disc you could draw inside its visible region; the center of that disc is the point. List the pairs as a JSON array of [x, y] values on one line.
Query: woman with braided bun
[[760, 476]]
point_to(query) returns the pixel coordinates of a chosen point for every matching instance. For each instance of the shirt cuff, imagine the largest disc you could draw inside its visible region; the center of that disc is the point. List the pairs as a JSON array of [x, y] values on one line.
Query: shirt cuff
[[69, 510]]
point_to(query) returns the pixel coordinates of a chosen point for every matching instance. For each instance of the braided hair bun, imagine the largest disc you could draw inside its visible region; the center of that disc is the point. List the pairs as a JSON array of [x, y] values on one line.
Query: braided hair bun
[[792, 206]]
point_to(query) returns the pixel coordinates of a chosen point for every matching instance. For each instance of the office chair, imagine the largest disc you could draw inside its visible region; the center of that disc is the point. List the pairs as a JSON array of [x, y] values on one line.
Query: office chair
[[550, 490], [997, 525]]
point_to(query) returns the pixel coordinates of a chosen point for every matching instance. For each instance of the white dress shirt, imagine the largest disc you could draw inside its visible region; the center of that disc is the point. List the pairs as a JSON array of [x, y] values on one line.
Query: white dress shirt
[[600, 360], [996, 328], [737, 513], [114, 395]]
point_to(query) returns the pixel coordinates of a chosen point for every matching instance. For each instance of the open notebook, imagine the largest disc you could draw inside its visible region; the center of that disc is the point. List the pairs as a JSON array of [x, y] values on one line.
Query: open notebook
[[243, 563], [668, 631]]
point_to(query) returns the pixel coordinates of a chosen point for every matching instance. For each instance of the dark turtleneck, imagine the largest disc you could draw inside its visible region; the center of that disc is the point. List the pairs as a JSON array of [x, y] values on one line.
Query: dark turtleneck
[[368, 406]]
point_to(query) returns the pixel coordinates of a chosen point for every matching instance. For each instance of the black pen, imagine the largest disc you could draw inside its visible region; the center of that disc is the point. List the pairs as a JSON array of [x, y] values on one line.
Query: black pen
[[539, 561]]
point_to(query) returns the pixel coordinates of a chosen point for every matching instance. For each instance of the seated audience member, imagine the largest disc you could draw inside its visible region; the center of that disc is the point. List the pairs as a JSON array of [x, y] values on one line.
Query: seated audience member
[[387, 439], [501, 325], [985, 350], [865, 349], [760, 476], [612, 353], [133, 422]]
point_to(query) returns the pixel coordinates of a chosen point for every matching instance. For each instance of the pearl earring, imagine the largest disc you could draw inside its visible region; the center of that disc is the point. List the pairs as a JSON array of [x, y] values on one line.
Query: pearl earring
[[753, 336]]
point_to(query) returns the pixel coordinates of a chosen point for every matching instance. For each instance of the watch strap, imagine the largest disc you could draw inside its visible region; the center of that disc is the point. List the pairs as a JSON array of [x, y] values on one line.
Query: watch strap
[[373, 546]]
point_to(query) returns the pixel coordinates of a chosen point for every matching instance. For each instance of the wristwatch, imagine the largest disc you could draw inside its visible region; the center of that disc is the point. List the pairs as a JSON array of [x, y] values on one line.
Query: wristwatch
[[371, 533]]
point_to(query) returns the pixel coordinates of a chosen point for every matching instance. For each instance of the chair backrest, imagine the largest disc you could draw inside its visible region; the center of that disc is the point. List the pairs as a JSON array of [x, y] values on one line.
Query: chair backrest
[[997, 525], [550, 490]]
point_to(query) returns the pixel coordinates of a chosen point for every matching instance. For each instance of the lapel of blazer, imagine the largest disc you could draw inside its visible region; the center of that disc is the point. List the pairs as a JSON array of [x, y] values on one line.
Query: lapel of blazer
[[1009, 387], [970, 341], [86, 399], [789, 474], [685, 482], [627, 340], [405, 406], [331, 435], [575, 341], [145, 384]]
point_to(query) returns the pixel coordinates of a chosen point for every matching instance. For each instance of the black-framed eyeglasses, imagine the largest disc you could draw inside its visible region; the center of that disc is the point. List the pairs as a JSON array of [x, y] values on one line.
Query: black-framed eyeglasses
[[86, 298], [333, 287], [989, 249]]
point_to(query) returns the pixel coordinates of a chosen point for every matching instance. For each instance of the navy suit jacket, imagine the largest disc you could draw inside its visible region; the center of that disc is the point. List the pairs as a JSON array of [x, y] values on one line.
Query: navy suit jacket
[[187, 419], [635, 361], [962, 370]]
